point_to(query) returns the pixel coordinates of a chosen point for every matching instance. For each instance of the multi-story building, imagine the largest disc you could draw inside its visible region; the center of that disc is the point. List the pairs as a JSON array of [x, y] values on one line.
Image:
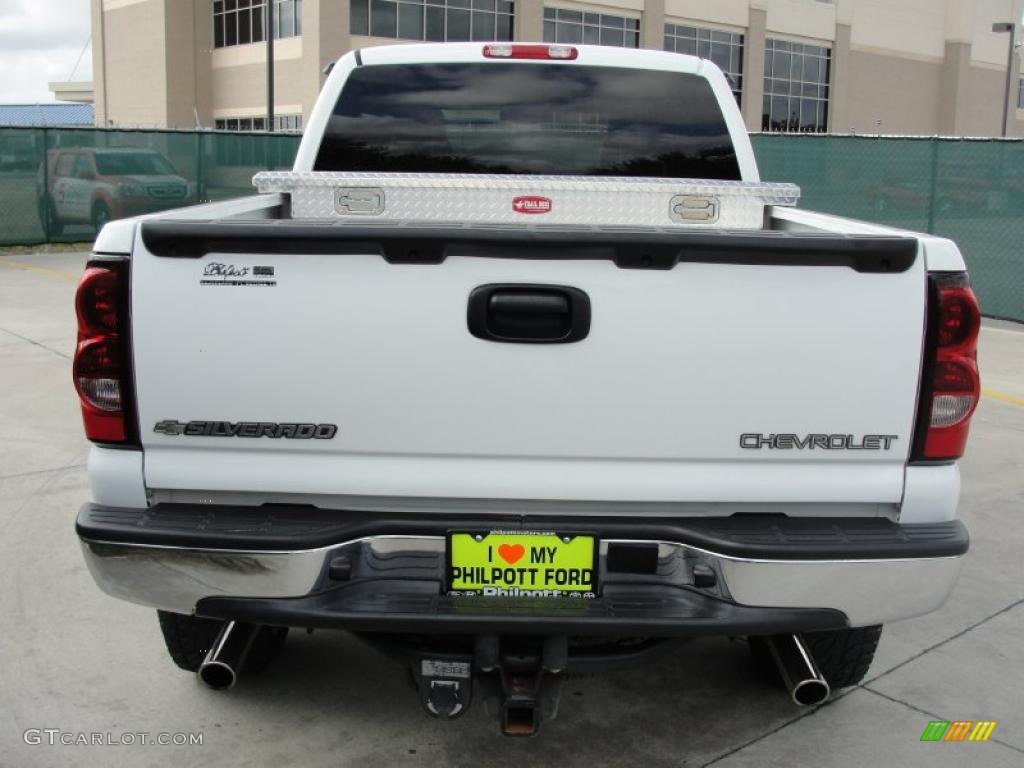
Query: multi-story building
[[864, 66]]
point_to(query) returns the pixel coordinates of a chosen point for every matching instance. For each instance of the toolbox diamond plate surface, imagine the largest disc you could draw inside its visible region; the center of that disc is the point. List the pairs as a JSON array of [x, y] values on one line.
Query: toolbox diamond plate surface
[[502, 199]]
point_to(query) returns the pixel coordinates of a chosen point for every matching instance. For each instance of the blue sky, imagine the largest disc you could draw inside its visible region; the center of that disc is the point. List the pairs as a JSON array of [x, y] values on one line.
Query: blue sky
[[39, 42]]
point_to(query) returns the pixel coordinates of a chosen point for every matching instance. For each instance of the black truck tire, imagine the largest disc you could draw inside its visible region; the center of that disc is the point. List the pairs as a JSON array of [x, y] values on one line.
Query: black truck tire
[[100, 215], [189, 638], [842, 655]]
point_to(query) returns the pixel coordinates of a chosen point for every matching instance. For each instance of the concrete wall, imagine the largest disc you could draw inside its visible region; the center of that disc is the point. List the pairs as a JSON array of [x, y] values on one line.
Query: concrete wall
[[149, 68], [99, 55], [989, 48], [799, 18], [652, 25], [753, 69], [914, 29], [203, 102], [529, 20], [732, 13], [238, 79], [182, 62], [601, 6], [951, 107], [325, 38], [841, 82], [872, 107], [134, 47], [982, 105], [899, 66]]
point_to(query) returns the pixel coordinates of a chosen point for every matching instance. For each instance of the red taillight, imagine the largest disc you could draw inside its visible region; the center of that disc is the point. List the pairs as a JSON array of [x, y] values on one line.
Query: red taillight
[[97, 301], [530, 51], [959, 316], [951, 388], [100, 370]]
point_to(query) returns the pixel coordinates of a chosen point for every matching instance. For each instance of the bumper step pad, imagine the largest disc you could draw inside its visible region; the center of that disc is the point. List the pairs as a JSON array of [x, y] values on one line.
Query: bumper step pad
[[281, 527], [418, 606]]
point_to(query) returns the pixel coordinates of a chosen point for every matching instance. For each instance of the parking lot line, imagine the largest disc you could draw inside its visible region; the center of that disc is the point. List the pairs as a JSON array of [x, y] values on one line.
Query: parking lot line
[[997, 395], [7, 262]]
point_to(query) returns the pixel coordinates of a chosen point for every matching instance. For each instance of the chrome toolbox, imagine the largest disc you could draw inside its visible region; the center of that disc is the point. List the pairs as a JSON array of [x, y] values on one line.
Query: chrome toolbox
[[508, 199]]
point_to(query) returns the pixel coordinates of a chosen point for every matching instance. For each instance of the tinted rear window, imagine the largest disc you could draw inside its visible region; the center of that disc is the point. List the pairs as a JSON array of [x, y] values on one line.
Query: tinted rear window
[[528, 118]]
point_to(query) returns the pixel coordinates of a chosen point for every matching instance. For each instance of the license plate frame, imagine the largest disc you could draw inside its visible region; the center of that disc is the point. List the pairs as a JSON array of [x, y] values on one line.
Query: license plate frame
[[569, 551]]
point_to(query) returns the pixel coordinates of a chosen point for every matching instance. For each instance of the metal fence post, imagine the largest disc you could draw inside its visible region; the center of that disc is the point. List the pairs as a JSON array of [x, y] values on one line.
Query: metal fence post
[[933, 185], [44, 205], [200, 186]]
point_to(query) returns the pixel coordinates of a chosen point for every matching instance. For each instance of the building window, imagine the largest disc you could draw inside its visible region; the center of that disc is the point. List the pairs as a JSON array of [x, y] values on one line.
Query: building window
[[239, 22], [562, 25], [796, 78], [288, 122], [285, 123], [434, 20], [723, 48]]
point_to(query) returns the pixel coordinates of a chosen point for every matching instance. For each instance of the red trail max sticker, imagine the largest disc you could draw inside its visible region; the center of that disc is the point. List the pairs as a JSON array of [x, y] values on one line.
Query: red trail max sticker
[[531, 204]]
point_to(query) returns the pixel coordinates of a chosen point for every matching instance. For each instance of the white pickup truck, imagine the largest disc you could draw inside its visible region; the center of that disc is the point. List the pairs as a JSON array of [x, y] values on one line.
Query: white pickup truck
[[522, 370]]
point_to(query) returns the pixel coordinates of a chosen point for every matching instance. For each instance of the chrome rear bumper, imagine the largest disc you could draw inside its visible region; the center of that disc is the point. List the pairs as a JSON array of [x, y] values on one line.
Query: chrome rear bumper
[[865, 590]]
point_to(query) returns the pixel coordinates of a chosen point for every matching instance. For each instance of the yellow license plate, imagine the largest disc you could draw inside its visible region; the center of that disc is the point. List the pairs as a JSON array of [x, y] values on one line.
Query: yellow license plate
[[519, 564]]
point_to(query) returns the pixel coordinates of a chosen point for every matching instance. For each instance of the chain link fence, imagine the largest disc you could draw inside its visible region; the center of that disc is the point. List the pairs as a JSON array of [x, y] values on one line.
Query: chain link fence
[[61, 184], [969, 190]]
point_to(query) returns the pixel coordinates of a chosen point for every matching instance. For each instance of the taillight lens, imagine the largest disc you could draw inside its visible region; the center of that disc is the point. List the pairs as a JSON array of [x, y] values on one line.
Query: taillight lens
[[952, 386], [101, 372], [959, 318], [97, 303]]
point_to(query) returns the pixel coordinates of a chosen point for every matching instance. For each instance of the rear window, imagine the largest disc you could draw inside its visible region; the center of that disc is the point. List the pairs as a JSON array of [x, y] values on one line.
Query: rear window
[[528, 119]]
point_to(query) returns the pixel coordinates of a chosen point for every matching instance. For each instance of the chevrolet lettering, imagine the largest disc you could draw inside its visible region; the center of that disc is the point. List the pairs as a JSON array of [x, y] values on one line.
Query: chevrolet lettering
[[784, 441]]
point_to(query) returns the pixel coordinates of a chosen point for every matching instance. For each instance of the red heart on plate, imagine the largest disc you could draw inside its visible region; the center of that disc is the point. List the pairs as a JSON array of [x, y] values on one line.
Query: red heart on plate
[[511, 553]]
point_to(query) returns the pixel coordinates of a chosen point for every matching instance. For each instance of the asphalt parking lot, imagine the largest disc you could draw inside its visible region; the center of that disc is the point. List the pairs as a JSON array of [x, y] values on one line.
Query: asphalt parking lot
[[75, 660]]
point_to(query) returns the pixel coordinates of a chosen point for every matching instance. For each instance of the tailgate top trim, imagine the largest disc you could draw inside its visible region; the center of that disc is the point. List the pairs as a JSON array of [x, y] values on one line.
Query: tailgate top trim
[[648, 248]]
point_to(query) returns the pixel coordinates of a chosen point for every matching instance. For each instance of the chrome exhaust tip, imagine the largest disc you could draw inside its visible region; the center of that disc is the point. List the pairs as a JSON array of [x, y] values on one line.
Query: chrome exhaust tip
[[800, 674], [218, 675], [224, 661]]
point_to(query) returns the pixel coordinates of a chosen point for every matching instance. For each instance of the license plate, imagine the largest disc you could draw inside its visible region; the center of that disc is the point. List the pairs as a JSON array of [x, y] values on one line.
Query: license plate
[[498, 564]]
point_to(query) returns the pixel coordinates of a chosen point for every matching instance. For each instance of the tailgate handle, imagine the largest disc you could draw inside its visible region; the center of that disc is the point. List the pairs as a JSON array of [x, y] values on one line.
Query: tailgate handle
[[529, 314]]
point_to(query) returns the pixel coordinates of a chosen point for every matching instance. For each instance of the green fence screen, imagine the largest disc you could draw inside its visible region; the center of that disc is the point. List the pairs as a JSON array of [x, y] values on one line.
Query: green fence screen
[[93, 175], [969, 190]]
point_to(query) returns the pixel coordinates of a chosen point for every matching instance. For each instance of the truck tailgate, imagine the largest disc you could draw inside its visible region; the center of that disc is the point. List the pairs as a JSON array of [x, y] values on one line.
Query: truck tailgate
[[717, 367]]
